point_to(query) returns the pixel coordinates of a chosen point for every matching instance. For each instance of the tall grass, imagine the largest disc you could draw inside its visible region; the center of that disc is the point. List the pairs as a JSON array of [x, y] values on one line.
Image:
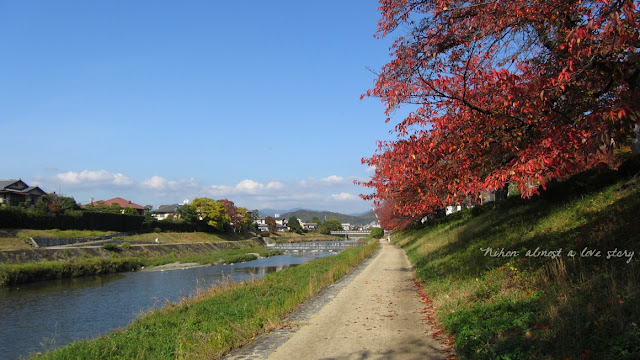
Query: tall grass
[[504, 304], [216, 320], [11, 274]]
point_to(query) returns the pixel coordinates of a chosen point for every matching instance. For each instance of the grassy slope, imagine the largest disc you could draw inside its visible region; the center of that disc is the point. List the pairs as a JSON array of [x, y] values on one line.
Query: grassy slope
[[18, 239], [293, 237], [526, 307]]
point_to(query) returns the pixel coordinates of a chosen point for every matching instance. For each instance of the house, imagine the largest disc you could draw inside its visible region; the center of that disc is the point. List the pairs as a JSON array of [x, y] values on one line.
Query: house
[[13, 192], [164, 211], [280, 220], [123, 203], [371, 225], [308, 226], [346, 226], [452, 209]]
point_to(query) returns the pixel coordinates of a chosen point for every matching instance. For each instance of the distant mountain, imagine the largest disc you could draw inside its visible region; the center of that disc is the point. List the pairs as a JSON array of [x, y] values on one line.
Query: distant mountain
[[307, 215], [362, 213], [272, 212]]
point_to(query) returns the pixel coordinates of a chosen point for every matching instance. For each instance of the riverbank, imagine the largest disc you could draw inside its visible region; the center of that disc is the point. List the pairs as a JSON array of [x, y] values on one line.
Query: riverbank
[[19, 239], [68, 253], [212, 322], [86, 261], [292, 237], [554, 277]]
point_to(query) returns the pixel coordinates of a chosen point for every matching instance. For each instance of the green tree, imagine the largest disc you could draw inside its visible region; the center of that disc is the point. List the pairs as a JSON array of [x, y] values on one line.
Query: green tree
[[212, 213], [246, 219], [332, 224], [294, 225], [187, 213], [114, 208], [55, 204], [377, 233], [130, 211]]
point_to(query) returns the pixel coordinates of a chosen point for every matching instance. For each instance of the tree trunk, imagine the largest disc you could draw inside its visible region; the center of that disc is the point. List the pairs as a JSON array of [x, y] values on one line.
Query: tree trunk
[[501, 194], [635, 144]]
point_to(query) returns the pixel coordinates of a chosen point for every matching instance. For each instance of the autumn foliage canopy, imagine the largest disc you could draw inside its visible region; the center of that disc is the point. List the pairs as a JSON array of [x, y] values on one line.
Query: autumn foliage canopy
[[516, 91]]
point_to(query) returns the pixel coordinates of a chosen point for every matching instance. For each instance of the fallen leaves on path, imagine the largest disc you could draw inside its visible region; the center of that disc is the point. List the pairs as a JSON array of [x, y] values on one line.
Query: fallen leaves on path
[[437, 332]]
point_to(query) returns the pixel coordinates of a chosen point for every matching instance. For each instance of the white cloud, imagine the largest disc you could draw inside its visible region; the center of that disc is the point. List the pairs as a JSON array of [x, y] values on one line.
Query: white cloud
[[275, 185], [155, 182], [343, 196], [220, 190], [331, 180], [88, 177], [248, 187], [159, 183]]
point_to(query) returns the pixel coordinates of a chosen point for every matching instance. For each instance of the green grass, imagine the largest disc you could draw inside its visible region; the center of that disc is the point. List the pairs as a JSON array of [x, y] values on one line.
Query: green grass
[[65, 234], [290, 237], [219, 257], [11, 274], [527, 307], [186, 237], [214, 321]]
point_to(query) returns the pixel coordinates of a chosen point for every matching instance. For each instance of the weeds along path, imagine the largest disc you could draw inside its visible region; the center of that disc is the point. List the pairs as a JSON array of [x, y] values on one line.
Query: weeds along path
[[376, 315]]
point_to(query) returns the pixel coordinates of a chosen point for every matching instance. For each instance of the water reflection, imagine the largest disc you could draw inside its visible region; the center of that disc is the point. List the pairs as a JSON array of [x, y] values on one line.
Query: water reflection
[[42, 315]]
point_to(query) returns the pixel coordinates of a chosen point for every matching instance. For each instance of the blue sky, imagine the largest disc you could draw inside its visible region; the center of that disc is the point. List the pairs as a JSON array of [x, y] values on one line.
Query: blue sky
[[162, 101]]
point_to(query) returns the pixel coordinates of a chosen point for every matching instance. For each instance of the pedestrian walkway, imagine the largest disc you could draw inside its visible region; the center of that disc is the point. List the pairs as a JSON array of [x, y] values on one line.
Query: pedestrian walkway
[[372, 313]]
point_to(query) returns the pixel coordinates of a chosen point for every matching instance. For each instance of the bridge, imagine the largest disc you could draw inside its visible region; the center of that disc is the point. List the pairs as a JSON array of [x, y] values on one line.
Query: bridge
[[356, 234], [315, 246]]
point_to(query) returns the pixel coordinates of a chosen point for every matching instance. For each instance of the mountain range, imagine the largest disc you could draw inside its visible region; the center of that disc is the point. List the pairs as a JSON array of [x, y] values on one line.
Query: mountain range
[[308, 215]]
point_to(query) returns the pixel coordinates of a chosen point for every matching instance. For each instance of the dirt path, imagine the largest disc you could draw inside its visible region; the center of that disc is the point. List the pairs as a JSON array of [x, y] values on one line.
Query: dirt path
[[376, 315]]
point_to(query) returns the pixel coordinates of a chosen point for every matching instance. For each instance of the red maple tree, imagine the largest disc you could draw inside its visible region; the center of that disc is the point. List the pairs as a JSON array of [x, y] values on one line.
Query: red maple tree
[[232, 210], [517, 91]]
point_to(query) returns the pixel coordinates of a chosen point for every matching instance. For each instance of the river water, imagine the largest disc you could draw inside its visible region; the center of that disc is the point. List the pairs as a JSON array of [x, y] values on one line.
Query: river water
[[41, 316]]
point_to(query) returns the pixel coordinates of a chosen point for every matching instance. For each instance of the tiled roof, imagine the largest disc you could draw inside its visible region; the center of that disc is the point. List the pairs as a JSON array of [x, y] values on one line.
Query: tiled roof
[[120, 201], [167, 208], [30, 189], [6, 182], [9, 185]]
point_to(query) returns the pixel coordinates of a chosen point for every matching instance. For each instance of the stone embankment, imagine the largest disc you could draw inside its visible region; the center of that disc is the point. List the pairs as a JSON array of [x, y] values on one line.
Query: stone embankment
[[67, 253]]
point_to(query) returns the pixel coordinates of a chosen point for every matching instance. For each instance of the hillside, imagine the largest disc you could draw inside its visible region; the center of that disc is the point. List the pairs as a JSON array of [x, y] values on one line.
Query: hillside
[[553, 277], [307, 215]]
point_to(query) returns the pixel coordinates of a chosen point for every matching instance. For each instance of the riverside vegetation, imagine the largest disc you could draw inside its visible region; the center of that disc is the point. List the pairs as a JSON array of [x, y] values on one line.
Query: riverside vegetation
[[213, 321], [11, 274], [69, 264], [553, 277]]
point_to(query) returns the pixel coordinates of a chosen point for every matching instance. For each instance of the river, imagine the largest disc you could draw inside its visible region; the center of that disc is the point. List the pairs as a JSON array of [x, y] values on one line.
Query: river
[[45, 315]]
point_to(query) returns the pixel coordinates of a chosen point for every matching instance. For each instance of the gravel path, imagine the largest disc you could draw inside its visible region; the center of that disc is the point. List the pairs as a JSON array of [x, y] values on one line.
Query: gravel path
[[372, 313]]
